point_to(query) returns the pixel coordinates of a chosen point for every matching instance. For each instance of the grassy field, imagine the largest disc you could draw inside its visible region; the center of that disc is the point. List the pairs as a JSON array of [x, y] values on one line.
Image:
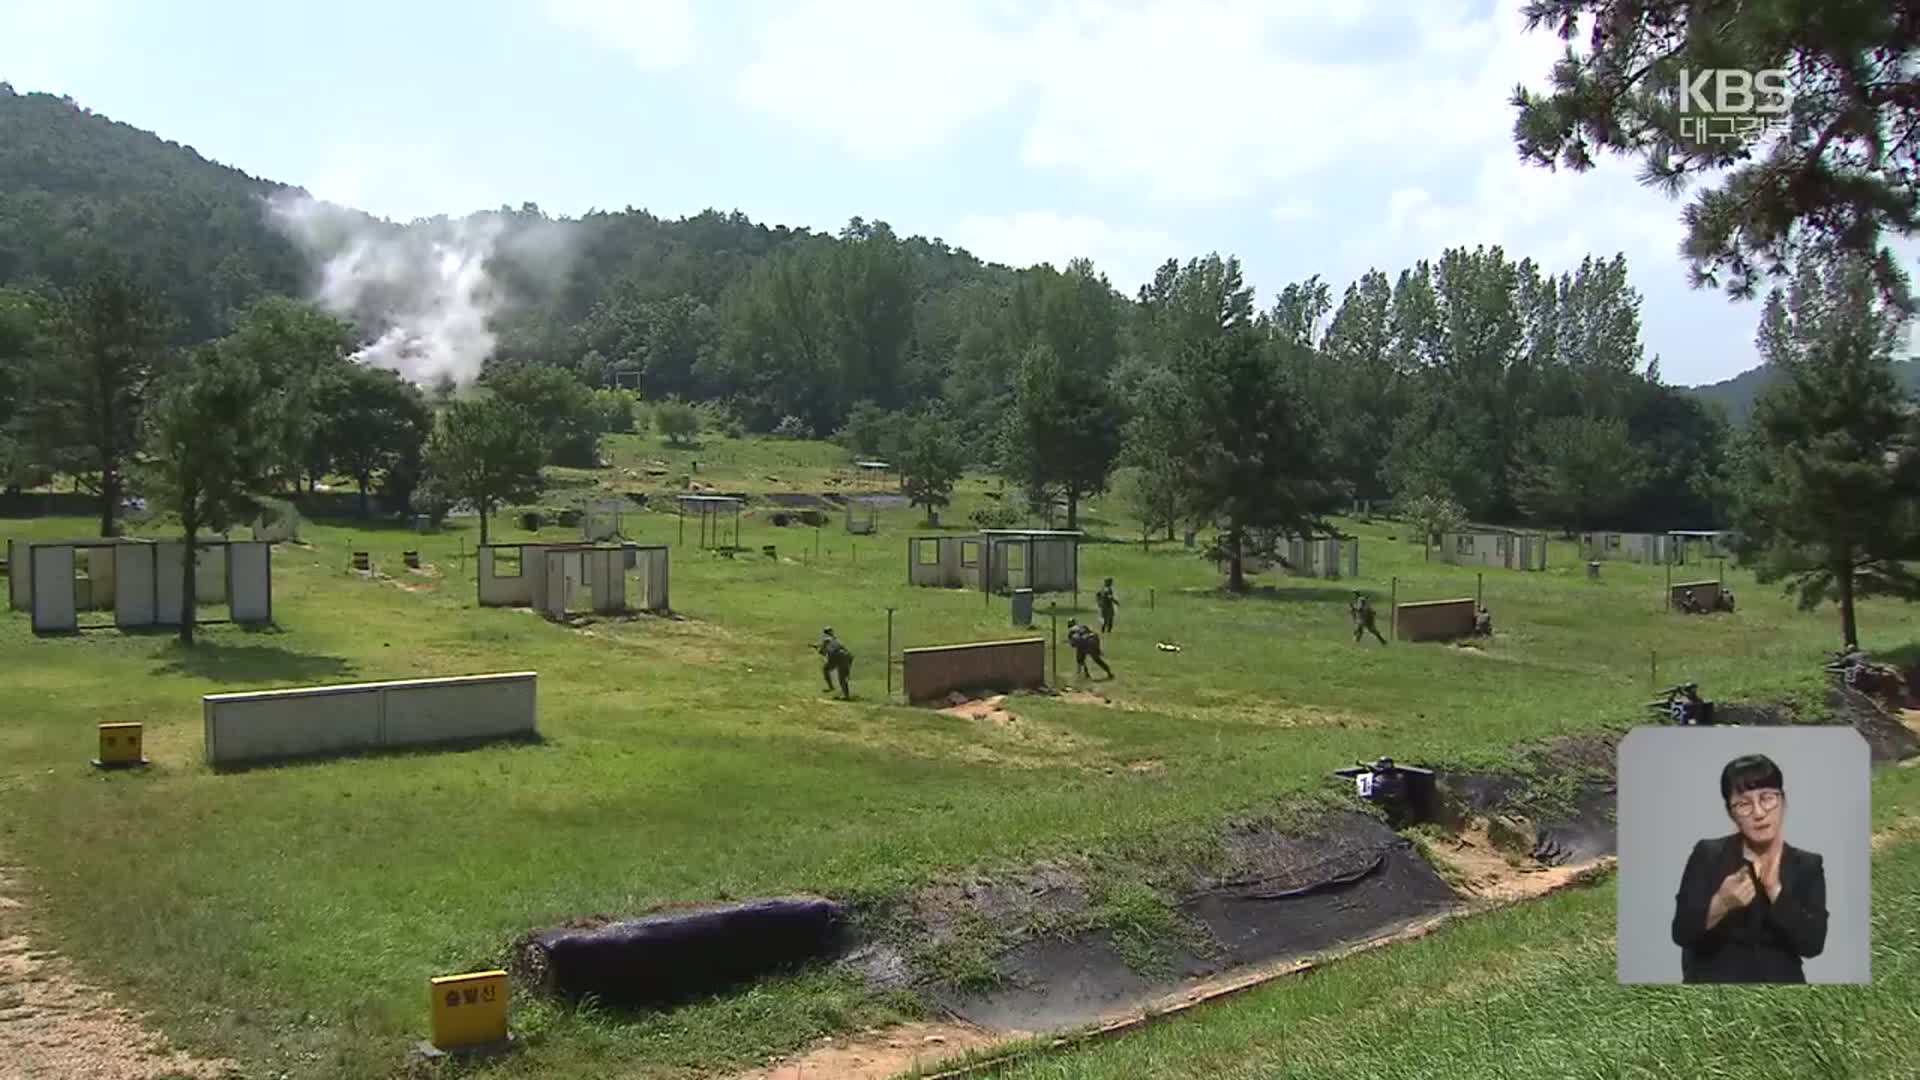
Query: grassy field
[[1529, 992], [289, 916]]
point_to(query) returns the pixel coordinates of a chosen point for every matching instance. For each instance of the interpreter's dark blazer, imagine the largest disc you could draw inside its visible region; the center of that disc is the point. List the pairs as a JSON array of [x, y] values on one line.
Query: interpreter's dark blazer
[[1763, 942]]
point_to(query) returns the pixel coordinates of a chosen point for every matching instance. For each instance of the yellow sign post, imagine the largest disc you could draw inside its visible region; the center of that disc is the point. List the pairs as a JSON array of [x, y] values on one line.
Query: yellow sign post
[[469, 1011], [121, 746]]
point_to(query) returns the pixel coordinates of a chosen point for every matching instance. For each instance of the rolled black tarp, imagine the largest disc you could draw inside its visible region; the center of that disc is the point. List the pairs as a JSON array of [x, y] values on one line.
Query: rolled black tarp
[[660, 959]]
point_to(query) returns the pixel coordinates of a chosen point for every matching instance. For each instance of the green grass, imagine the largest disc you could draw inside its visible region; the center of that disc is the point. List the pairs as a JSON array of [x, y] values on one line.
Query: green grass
[[289, 916], [1529, 992]]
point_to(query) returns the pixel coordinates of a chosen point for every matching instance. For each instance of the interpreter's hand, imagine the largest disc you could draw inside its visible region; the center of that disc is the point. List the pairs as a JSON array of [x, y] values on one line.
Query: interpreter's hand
[[1735, 892], [1768, 871]]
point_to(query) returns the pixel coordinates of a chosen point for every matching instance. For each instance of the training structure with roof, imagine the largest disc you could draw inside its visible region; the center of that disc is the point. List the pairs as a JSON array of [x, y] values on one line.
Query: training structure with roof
[[711, 511], [141, 582], [997, 560], [1511, 550], [559, 580]]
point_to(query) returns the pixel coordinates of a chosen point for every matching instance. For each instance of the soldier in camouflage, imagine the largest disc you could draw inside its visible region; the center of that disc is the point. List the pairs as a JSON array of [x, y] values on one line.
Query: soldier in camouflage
[[838, 661]]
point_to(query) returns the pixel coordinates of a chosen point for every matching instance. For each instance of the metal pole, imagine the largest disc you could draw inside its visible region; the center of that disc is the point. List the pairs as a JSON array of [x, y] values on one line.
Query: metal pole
[[1149, 599], [816, 541], [889, 654], [1393, 608], [1053, 621], [683, 524], [1653, 669], [1669, 598], [1479, 588]]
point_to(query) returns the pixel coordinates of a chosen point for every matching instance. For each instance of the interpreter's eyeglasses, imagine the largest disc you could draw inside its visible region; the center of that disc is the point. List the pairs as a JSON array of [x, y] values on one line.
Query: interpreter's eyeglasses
[[1759, 804]]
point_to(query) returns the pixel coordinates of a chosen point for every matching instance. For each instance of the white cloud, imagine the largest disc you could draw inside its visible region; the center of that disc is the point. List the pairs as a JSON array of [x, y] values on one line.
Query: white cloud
[[1296, 208], [883, 78], [1127, 256], [654, 34]]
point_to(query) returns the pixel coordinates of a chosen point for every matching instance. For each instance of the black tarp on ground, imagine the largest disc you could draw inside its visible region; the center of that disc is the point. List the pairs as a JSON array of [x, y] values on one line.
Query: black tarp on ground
[[675, 955], [1286, 896]]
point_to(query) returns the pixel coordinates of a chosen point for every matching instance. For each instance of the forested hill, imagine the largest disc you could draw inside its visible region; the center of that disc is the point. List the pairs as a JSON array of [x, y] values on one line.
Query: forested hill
[[1737, 395], [1476, 377], [78, 191]]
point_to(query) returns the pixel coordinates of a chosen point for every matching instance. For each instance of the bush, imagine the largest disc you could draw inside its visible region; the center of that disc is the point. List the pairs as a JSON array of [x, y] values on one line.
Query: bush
[[1005, 515], [676, 421], [792, 427], [613, 411]]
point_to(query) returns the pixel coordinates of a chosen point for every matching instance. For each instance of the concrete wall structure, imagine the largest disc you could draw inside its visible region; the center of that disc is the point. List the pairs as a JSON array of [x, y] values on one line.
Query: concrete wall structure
[[1433, 620], [1630, 547], [1511, 551], [1705, 593], [141, 581], [1044, 561], [269, 725], [1322, 558], [136, 596], [50, 567], [507, 582], [549, 574], [935, 671], [944, 562], [19, 577]]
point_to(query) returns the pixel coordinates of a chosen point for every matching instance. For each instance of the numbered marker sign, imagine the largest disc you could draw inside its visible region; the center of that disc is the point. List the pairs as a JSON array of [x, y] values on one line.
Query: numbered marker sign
[[468, 1010], [121, 745]]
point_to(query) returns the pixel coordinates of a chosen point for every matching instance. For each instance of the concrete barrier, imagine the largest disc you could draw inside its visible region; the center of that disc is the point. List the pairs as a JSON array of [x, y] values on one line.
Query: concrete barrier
[[935, 671], [1705, 593], [313, 721], [1433, 620]]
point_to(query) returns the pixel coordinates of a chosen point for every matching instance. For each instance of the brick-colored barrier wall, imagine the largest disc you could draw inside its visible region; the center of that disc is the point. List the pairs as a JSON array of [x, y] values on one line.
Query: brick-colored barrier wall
[[1433, 620], [1705, 593], [935, 671]]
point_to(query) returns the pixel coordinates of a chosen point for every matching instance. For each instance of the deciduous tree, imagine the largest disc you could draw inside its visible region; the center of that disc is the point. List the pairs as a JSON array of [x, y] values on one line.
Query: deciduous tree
[[209, 444], [486, 452]]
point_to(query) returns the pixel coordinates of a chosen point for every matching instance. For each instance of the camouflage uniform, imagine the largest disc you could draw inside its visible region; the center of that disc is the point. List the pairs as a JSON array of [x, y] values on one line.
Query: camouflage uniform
[[1107, 604], [1363, 624], [839, 661], [1086, 646]]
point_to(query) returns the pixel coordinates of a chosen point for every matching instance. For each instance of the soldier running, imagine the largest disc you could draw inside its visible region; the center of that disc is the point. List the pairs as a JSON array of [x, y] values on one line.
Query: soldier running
[[1086, 646], [1107, 603], [838, 661], [1362, 610]]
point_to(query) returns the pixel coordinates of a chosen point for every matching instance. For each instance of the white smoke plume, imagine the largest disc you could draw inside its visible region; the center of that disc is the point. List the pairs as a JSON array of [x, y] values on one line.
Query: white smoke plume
[[427, 290]]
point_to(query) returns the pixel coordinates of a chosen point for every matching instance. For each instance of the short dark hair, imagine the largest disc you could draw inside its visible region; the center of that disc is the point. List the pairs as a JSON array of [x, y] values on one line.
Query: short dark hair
[[1750, 772]]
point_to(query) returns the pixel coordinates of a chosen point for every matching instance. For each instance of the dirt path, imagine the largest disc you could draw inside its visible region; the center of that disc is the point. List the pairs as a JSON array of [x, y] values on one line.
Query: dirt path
[[55, 1027]]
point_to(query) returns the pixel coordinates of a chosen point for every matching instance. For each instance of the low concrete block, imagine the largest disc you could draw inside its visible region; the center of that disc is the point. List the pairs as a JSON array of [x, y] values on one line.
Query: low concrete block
[[427, 711], [266, 725]]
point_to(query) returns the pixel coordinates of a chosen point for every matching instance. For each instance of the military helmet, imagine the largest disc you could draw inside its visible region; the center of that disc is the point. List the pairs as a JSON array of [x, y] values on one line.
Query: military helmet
[[827, 630]]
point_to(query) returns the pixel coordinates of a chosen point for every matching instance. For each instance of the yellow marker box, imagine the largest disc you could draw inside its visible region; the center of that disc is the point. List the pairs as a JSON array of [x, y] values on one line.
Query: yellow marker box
[[468, 1010], [121, 746]]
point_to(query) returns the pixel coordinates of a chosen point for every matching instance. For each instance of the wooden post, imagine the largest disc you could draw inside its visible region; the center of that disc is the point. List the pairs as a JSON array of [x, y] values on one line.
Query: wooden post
[[816, 544], [1479, 588], [1653, 670], [1668, 605], [889, 655], [1053, 623], [1393, 608], [1149, 599]]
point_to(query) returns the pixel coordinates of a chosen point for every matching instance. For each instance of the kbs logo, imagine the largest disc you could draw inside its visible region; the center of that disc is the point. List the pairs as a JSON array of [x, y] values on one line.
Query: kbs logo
[[1733, 105]]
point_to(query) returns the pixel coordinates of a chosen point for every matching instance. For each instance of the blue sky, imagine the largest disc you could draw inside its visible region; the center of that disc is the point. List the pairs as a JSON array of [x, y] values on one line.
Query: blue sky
[[1303, 136]]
